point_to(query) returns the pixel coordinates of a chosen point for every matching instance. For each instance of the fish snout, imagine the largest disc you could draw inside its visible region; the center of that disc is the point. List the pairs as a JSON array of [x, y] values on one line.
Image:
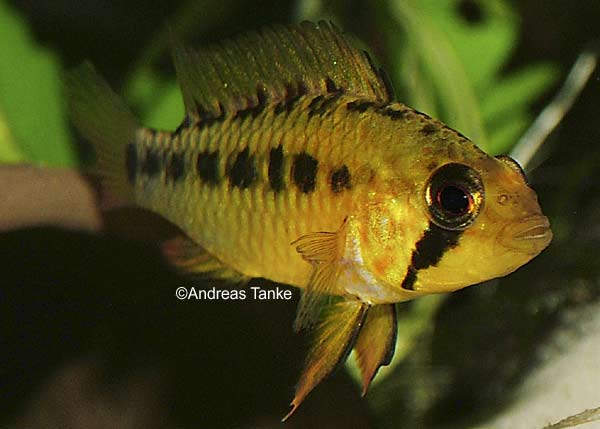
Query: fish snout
[[529, 235]]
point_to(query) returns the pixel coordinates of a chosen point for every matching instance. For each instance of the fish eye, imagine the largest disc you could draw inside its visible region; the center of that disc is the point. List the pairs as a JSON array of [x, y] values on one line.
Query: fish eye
[[454, 196], [454, 200]]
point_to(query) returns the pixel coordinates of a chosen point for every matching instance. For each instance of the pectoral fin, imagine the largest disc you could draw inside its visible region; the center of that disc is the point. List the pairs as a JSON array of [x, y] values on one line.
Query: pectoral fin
[[331, 345], [376, 342], [323, 251]]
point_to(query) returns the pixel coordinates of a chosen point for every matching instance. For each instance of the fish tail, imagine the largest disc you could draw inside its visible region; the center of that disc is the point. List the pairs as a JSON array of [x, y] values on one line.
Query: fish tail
[[103, 118]]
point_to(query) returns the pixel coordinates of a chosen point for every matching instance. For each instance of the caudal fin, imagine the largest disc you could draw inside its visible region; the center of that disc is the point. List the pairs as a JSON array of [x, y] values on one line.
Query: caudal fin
[[104, 119]]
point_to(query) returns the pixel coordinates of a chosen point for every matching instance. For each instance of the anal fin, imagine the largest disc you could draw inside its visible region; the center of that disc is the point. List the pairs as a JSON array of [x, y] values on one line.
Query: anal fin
[[331, 345], [376, 342]]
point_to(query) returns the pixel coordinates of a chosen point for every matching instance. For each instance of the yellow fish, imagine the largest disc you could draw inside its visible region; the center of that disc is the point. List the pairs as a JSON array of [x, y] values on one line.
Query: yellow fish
[[295, 163]]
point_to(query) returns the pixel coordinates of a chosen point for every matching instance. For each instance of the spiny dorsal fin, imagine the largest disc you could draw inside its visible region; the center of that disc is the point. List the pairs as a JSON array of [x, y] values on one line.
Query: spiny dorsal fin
[[274, 63], [376, 342]]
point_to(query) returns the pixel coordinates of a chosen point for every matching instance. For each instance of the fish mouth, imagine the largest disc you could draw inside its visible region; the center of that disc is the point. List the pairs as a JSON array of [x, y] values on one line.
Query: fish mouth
[[530, 235]]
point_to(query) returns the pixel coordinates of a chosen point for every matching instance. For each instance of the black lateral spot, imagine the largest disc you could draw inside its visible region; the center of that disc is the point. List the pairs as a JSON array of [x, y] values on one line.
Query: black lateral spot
[[340, 179], [131, 161], [176, 167], [151, 164], [276, 168], [304, 172], [429, 251], [242, 172], [207, 165], [429, 129]]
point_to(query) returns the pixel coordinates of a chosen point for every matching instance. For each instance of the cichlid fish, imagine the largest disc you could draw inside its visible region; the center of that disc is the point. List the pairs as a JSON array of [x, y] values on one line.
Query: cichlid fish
[[295, 163]]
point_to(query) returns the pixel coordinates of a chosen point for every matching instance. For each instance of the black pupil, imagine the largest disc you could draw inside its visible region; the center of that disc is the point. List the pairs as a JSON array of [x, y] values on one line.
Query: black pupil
[[453, 200]]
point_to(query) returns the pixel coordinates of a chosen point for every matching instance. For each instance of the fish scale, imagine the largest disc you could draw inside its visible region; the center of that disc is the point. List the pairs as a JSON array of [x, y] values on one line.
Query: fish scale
[[257, 211]]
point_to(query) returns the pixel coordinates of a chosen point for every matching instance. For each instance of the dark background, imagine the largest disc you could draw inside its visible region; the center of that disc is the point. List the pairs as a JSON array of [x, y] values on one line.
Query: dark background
[[108, 301]]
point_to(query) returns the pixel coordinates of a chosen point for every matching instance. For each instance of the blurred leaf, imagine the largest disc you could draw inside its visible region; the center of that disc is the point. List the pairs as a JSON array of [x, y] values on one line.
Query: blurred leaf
[[517, 90], [482, 46], [442, 66], [168, 113], [30, 99], [451, 69], [9, 151], [158, 101], [505, 105]]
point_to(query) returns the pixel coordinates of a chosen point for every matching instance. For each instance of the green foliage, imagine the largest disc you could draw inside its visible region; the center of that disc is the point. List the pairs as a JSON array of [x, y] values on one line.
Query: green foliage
[[451, 68], [33, 124], [444, 66]]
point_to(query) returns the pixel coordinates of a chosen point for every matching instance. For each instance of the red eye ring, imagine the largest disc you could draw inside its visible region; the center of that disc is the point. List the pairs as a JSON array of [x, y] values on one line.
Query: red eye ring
[[454, 195]]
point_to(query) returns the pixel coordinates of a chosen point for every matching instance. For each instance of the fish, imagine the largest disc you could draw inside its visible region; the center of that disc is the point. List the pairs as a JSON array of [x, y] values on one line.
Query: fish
[[295, 163]]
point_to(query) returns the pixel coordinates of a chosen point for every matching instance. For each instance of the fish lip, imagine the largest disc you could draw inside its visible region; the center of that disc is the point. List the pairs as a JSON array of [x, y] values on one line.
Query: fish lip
[[537, 228], [528, 235]]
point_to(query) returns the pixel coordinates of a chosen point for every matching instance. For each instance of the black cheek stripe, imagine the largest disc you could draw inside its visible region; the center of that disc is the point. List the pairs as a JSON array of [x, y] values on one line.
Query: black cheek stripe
[[429, 250]]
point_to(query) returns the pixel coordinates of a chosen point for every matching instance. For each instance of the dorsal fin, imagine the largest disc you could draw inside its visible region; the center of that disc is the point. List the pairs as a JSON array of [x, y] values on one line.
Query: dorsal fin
[[274, 64]]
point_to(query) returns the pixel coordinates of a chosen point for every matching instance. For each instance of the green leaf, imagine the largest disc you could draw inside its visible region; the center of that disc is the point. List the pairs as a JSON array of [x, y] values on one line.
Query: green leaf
[[168, 112], [32, 115], [159, 102], [451, 69], [9, 151], [443, 67], [482, 47], [505, 105]]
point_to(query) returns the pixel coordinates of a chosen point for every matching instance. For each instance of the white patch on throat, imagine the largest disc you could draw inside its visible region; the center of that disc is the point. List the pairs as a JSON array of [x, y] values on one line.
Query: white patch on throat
[[357, 280]]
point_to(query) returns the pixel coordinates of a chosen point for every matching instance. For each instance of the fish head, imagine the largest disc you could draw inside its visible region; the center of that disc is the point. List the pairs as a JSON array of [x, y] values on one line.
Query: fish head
[[484, 222]]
